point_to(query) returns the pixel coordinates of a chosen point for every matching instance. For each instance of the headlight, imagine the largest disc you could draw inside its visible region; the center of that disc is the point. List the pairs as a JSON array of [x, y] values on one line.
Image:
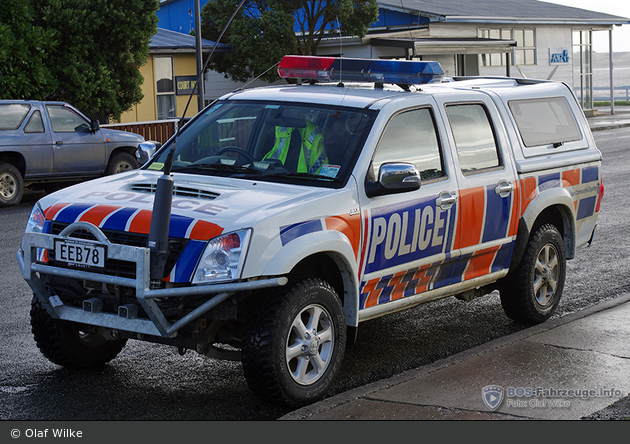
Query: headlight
[[35, 224], [36, 220], [223, 258]]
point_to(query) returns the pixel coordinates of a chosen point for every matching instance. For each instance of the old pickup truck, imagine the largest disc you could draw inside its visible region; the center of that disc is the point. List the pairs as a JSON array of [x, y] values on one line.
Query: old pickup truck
[[44, 144]]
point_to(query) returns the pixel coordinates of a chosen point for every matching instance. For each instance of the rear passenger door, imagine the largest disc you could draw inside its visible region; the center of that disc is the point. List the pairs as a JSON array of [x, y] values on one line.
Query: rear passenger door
[[488, 189]]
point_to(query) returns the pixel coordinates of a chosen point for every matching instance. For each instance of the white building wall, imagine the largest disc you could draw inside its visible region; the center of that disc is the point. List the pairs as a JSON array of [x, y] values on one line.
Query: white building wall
[[547, 38]]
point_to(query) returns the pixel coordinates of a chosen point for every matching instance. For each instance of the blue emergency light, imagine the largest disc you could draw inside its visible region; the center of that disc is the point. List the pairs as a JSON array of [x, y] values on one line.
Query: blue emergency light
[[400, 72]]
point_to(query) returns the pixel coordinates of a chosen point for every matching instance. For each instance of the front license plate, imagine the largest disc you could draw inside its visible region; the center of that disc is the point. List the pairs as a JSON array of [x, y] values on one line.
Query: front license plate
[[83, 254]]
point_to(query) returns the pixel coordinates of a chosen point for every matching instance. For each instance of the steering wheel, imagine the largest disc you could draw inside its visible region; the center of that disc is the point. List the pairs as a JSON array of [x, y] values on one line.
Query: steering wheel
[[237, 150]]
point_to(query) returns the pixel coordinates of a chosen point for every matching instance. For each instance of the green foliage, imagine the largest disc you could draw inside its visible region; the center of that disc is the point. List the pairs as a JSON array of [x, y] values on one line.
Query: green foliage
[[350, 17], [95, 51], [25, 50], [261, 33], [263, 30]]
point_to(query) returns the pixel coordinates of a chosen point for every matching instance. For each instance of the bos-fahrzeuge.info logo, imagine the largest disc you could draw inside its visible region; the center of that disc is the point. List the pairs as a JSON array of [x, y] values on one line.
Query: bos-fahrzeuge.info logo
[[539, 397]]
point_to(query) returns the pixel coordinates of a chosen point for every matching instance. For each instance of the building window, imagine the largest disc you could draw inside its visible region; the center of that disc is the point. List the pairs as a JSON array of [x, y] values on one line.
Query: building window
[[165, 87], [523, 54]]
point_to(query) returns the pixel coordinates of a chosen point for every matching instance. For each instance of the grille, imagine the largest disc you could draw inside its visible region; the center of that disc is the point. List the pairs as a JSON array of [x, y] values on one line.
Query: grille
[[124, 268]]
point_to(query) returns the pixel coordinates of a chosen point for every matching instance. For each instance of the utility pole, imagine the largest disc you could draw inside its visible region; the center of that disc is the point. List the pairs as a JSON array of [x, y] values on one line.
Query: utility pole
[[199, 52]]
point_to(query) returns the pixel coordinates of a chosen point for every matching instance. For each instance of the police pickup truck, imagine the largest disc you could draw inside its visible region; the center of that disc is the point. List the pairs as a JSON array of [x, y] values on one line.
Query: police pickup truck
[[293, 213]]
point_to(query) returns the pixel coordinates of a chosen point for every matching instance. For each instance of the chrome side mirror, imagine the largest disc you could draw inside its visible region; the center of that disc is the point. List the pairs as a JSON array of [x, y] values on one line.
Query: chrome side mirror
[[145, 151], [394, 178]]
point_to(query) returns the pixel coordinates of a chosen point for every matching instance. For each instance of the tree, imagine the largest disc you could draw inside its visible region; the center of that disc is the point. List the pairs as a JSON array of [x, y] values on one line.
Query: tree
[[261, 33], [25, 50], [264, 30], [314, 18], [90, 49], [101, 46]]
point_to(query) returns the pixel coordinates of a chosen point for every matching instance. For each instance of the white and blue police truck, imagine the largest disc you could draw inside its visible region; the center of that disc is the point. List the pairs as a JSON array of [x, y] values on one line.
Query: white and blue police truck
[[282, 217]]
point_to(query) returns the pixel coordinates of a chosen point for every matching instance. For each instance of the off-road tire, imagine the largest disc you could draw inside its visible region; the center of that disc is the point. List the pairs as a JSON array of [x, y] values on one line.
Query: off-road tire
[[70, 344], [11, 185], [270, 338], [121, 162], [531, 294]]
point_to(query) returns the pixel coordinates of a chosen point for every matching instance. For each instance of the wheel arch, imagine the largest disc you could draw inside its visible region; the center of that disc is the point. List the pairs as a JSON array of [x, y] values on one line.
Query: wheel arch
[[328, 255], [125, 148], [14, 158], [555, 207]]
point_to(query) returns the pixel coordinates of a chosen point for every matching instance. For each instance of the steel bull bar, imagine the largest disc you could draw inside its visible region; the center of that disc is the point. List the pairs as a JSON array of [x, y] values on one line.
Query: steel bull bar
[[125, 319]]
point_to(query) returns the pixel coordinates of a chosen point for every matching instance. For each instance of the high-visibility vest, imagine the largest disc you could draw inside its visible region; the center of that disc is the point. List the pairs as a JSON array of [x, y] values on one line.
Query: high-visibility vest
[[312, 155]]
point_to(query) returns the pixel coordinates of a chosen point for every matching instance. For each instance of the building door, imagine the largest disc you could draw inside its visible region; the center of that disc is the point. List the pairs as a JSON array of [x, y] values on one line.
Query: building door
[[467, 65]]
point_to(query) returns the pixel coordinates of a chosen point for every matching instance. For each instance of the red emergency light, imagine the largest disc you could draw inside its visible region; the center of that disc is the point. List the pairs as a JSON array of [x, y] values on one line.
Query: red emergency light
[[400, 72]]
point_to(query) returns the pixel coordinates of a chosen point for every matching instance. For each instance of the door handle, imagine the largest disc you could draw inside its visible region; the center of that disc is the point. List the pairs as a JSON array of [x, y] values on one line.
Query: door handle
[[445, 200], [504, 188], [59, 142]]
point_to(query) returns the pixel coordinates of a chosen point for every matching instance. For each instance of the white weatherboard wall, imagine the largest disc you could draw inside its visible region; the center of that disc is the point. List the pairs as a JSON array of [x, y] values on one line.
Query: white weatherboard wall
[[547, 37]]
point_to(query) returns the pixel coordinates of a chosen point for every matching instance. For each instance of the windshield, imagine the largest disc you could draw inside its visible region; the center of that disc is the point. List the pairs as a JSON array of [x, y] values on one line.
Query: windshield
[[271, 141]]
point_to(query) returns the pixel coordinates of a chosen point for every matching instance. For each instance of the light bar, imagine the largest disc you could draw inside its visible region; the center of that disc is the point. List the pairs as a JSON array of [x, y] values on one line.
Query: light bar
[[400, 72]]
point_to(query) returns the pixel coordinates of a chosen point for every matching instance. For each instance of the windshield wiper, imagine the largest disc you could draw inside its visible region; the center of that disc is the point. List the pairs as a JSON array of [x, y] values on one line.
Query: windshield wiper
[[302, 176], [220, 167]]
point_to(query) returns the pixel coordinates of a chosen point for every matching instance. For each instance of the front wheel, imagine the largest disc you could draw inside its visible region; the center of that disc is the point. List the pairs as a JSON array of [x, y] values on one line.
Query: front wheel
[[295, 343], [70, 344], [121, 162], [533, 292]]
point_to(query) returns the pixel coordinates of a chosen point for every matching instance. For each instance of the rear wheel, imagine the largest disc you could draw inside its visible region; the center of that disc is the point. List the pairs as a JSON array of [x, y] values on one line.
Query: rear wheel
[[121, 162], [70, 344], [295, 344], [533, 292], [11, 185]]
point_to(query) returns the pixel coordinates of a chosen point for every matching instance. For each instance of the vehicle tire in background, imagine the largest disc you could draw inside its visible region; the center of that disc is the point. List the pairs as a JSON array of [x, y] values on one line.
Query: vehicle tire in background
[[121, 162], [532, 293], [11, 185], [294, 345]]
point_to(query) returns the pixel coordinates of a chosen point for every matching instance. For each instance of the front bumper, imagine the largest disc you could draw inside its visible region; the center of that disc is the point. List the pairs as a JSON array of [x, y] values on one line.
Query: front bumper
[[126, 319]]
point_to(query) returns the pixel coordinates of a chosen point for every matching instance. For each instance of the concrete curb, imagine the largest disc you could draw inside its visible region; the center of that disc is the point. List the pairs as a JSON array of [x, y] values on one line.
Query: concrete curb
[[364, 391]]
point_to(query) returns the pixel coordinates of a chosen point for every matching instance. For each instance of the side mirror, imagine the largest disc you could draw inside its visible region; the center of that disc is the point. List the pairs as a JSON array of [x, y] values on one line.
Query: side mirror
[[94, 126], [145, 151], [394, 178]]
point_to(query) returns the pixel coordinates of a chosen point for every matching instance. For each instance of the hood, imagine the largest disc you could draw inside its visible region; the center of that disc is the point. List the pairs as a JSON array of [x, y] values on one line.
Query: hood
[[202, 207], [121, 136]]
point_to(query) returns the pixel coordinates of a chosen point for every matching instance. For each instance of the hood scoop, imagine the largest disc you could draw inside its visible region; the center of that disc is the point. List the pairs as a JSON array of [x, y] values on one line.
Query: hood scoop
[[179, 191]]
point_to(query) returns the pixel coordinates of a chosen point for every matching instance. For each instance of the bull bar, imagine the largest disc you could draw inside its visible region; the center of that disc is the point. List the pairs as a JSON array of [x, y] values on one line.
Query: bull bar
[[125, 320]]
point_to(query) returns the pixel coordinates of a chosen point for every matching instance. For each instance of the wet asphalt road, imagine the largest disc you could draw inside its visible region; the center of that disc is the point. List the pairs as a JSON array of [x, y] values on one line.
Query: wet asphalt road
[[153, 382]]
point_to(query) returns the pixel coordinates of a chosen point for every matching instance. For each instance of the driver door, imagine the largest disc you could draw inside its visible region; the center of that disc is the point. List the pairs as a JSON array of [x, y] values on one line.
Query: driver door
[[76, 150]]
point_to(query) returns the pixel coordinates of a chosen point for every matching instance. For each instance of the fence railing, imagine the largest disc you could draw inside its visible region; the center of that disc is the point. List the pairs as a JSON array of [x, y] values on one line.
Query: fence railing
[[599, 96], [157, 130]]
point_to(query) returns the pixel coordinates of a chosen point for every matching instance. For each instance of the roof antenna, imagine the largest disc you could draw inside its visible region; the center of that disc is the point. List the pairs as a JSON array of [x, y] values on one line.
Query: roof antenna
[[340, 54], [161, 217]]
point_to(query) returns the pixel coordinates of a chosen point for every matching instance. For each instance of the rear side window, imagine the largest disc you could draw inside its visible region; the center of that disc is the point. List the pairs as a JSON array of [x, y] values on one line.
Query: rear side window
[[546, 121], [35, 124], [474, 137], [12, 115]]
